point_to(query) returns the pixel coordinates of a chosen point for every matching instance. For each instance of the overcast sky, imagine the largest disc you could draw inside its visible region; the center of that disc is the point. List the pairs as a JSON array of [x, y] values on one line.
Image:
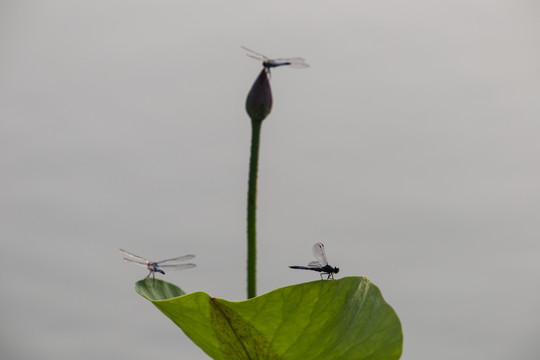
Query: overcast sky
[[410, 148]]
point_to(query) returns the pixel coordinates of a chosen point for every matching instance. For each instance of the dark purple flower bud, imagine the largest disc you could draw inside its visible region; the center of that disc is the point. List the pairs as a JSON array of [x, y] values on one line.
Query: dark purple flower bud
[[259, 99]]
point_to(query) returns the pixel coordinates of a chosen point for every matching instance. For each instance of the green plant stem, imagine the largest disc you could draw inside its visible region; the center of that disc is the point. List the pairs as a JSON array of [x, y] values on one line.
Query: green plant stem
[[252, 210]]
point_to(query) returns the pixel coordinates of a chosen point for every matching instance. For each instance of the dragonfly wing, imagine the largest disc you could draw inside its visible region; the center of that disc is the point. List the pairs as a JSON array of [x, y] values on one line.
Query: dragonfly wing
[[145, 265], [298, 65], [254, 54], [180, 258], [294, 62], [178, 266], [315, 264], [318, 252], [260, 58], [134, 256]]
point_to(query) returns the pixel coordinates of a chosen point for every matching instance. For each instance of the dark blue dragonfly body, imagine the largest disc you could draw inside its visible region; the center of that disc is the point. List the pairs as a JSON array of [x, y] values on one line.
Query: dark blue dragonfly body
[[154, 267], [321, 264]]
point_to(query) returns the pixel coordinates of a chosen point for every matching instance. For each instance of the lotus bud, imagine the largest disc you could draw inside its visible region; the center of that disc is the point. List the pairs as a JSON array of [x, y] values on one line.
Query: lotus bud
[[259, 99]]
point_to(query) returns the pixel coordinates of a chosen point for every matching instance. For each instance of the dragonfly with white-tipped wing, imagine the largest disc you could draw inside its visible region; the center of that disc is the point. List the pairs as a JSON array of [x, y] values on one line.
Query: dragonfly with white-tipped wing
[[321, 264], [294, 62], [156, 266]]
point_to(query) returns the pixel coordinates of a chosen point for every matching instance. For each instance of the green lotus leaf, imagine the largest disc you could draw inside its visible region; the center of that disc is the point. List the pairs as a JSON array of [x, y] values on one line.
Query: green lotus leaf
[[339, 319]]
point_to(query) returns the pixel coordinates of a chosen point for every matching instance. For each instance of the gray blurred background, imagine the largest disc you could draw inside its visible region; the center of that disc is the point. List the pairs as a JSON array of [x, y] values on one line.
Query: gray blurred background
[[410, 148]]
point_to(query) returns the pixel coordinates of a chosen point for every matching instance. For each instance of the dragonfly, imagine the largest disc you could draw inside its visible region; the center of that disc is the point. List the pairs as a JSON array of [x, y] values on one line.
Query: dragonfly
[[155, 266], [295, 62], [321, 264]]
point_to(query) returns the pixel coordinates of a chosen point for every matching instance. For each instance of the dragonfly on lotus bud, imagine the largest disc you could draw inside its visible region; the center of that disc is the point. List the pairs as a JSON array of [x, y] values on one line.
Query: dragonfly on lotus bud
[[321, 264], [295, 62], [156, 266]]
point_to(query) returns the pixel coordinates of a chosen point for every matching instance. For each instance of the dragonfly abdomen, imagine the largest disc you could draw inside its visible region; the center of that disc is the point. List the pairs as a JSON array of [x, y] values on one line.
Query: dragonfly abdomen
[[319, 269], [272, 64]]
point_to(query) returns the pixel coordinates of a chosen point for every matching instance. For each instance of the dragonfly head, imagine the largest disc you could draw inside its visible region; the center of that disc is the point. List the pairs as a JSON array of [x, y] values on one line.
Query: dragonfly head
[[336, 270]]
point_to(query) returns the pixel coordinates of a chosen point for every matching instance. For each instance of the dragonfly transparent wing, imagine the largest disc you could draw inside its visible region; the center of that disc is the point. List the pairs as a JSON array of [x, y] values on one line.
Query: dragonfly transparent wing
[[180, 258], [145, 265], [255, 54], [318, 252], [294, 62], [315, 264], [177, 266], [134, 256]]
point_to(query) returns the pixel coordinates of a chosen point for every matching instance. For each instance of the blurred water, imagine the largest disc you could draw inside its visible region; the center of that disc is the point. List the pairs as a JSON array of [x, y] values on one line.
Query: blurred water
[[409, 148]]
